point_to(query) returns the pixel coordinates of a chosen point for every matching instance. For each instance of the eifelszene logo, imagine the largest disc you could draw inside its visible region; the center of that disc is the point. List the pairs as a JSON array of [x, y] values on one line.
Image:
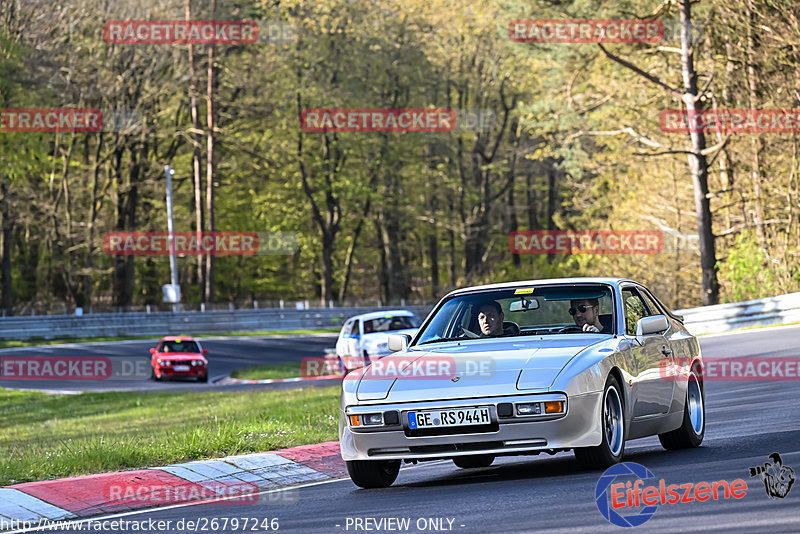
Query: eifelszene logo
[[777, 478], [613, 498]]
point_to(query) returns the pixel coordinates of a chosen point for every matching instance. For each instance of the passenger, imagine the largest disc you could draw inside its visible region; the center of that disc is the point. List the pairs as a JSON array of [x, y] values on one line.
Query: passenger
[[586, 314]]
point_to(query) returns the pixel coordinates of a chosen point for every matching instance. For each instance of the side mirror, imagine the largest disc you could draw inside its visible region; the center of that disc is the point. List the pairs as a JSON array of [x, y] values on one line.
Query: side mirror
[[398, 342], [152, 351], [205, 351], [654, 324]]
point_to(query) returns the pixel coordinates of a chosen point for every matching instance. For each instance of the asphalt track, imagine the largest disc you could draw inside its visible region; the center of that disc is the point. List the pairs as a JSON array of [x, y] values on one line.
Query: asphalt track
[[746, 421], [224, 355]]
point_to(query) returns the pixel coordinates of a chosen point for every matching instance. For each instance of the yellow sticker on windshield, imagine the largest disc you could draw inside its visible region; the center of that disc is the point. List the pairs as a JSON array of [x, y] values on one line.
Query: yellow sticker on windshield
[[178, 341], [524, 291]]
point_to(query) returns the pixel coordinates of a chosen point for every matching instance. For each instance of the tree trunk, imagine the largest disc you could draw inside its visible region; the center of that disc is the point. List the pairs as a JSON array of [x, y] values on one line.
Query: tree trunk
[[390, 241], [433, 252], [698, 165], [6, 288], [513, 223], [210, 167], [86, 283], [196, 170], [531, 198], [552, 199], [126, 220], [756, 144]]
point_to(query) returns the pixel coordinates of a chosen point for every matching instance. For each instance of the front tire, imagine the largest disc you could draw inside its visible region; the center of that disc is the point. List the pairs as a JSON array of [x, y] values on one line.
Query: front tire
[[693, 428], [473, 461], [373, 473], [610, 451]]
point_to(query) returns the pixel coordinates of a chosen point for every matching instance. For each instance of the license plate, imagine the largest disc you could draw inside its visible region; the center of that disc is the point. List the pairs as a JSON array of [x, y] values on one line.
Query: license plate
[[180, 368], [446, 418]]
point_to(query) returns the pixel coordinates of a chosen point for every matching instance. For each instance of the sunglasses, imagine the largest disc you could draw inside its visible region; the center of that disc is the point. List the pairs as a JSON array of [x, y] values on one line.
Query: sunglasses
[[581, 308]]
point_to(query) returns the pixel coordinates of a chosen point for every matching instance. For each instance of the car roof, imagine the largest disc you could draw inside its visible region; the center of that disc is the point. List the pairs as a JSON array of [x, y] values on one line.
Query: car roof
[[382, 314], [176, 338], [548, 281]]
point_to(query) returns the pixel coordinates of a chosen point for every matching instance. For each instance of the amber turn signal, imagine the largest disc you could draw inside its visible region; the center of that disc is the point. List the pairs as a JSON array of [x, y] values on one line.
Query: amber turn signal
[[554, 407]]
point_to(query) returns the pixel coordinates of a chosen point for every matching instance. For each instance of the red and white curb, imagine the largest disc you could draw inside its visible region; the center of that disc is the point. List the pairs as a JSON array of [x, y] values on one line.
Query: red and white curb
[[36, 503]]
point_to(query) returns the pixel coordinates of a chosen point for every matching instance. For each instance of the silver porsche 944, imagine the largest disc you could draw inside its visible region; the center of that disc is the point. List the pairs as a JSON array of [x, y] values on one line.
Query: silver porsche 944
[[581, 364]]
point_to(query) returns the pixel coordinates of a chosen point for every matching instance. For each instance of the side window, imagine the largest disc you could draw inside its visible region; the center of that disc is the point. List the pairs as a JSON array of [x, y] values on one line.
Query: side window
[[354, 330], [654, 309], [348, 325], [634, 309]]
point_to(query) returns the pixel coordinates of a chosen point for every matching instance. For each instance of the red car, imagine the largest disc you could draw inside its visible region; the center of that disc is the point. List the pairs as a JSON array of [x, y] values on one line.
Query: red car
[[179, 356]]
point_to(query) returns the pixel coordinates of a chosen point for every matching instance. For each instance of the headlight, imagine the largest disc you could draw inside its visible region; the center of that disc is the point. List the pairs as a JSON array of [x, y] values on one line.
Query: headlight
[[529, 408], [369, 419]]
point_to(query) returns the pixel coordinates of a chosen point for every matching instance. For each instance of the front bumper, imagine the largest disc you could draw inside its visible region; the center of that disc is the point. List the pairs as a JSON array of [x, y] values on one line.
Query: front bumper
[[194, 371], [579, 427]]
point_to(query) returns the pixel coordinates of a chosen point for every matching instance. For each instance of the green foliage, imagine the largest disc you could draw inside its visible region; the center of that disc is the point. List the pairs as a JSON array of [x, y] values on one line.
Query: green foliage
[[746, 272]]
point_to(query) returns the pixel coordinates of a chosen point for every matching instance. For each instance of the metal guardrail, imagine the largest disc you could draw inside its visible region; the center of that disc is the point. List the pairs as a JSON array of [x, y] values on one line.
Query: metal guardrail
[[769, 311], [166, 323], [709, 319]]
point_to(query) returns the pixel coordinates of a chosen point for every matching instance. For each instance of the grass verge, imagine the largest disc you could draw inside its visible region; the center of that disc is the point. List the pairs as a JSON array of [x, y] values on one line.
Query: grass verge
[[265, 372], [11, 343], [45, 436]]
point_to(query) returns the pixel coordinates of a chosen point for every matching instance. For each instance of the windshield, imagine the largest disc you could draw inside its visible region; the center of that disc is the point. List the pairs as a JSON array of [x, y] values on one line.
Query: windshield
[[179, 346], [390, 324], [522, 311]]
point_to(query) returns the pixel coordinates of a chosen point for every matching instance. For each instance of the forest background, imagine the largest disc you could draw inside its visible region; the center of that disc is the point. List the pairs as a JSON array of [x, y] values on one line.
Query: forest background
[[575, 144]]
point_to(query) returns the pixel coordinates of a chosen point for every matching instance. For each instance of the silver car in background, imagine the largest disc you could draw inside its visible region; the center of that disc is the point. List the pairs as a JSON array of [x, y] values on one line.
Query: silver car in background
[[541, 384], [364, 338]]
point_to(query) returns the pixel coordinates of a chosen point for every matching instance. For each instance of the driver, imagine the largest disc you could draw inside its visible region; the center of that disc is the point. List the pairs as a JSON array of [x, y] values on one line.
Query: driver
[[490, 319], [586, 313]]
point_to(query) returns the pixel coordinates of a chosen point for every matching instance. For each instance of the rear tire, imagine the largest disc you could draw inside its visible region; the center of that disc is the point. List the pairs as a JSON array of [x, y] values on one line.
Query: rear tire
[[473, 461], [373, 473], [693, 428], [610, 451]]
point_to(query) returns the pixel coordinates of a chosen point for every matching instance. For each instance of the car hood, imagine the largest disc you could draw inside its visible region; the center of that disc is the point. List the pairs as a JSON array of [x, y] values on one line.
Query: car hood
[[482, 368]]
